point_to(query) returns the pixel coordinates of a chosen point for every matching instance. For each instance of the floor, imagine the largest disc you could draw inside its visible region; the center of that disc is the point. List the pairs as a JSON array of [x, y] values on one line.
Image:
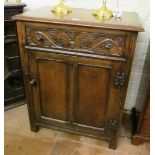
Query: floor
[[19, 140]]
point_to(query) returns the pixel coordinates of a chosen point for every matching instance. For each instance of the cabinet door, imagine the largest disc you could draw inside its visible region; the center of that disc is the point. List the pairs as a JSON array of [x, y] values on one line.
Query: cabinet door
[[98, 94], [49, 81], [76, 92], [92, 89]]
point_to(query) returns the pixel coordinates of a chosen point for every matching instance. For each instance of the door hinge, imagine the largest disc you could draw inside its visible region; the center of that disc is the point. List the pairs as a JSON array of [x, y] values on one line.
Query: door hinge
[[120, 79], [111, 124]]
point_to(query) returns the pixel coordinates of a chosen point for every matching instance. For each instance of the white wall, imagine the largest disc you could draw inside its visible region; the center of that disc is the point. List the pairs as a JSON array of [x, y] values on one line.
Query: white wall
[[139, 6]]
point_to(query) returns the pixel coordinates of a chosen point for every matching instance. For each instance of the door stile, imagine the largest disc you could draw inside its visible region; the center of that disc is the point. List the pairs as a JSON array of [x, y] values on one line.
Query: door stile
[[72, 92]]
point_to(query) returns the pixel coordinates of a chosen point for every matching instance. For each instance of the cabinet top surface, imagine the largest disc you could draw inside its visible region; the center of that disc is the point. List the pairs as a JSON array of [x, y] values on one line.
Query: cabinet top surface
[[83, 17]]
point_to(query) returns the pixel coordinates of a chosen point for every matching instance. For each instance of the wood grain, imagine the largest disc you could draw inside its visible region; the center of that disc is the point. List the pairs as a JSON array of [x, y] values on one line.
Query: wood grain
[[82, 17]]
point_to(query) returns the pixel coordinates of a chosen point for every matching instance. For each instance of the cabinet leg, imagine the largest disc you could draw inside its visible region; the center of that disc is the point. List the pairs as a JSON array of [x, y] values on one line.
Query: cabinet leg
[[34, 128], [32, 121], [113, 143], [113, 140]]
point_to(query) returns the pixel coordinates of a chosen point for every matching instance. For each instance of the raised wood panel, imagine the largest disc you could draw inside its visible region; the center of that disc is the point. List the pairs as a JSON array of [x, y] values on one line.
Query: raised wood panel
[[50, 94], [53, 85], [92, 88]]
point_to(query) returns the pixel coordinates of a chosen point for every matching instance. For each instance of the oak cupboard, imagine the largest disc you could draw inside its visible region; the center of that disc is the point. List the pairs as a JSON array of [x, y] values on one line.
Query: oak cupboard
[[76, 70]]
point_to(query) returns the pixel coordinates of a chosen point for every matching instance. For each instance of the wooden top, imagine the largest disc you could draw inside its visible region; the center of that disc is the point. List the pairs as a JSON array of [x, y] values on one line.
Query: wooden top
[[129, 20]]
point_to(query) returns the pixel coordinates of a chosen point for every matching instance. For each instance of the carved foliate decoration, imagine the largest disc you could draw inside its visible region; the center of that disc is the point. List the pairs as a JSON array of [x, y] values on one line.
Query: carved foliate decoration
[[119, 79], [105, 44], [40, 38], [111, 124]]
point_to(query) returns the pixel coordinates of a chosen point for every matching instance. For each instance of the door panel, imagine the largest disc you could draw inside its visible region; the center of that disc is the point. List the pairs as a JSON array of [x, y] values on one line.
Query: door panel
[[75, 92], [92, 93], [50, 95], [52, 77]]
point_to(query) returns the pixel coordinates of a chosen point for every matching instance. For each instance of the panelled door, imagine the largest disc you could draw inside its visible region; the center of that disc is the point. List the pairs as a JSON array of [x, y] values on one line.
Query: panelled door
[[91, 93], [49, 81], [97, 94], [74, 91]]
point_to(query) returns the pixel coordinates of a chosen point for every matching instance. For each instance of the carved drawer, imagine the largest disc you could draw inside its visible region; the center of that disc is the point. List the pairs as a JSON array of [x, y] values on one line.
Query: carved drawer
[[92, 42]]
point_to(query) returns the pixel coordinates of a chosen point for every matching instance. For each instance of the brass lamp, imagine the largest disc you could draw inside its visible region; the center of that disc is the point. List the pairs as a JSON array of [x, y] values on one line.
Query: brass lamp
[[103, 12], [61, 8]]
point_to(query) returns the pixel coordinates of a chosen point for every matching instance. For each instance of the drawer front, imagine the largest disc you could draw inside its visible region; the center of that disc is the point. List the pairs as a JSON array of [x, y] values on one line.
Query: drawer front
[[108, 43]]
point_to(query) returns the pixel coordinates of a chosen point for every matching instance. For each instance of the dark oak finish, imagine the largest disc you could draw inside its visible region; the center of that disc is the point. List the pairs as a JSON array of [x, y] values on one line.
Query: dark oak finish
[[95, 79], [76, 70], [13, 83]]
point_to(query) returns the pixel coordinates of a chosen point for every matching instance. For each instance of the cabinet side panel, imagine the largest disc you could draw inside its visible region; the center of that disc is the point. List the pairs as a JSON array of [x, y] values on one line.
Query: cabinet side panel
[[53, 88], [92, 93], [25, 71]]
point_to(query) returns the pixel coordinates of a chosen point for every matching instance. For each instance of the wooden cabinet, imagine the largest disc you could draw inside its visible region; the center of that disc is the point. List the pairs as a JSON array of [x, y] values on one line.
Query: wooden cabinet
[[13, 82], [76, 71]]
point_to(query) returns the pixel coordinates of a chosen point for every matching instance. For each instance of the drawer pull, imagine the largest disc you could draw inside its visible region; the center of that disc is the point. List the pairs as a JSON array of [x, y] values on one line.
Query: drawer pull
[[33, 82], [108, 45], [40, 38]]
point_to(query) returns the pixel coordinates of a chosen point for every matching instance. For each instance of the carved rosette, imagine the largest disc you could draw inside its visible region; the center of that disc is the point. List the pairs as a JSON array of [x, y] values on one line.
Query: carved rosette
[[61, 39], [104, 44], [111, 124], [119, 79], [38, 38], [84, 41]]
